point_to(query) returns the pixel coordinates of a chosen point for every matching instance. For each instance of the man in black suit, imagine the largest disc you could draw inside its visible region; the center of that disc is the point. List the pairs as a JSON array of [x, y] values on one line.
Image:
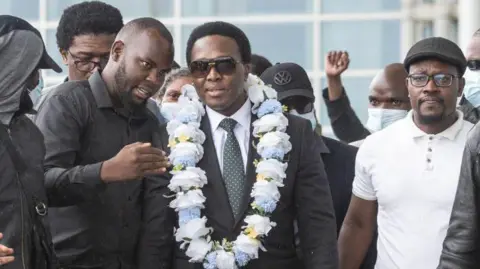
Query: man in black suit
[[218, 55], [295, 91]]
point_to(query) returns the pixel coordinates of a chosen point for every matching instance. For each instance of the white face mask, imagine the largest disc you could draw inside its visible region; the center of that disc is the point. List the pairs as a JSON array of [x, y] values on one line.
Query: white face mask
[[309, 116], [379, 118], [37, 91], [168, 110], [471, 91]]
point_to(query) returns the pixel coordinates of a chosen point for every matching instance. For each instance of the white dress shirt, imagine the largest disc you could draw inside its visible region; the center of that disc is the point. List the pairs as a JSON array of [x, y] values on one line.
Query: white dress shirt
[[242, 131], [413, 176]]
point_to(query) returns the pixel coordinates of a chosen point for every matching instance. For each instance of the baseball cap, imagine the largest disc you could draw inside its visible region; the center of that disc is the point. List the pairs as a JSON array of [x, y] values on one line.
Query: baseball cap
[[288, 79], [10, 23], [437, 48]]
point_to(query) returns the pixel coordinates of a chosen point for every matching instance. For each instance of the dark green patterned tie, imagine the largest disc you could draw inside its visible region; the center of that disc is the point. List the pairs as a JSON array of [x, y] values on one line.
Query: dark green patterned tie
[[233, 168]]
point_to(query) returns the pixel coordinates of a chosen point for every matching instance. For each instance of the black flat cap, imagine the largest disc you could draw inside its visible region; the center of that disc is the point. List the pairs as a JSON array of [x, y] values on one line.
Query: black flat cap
[[10, 23], [436, 48]]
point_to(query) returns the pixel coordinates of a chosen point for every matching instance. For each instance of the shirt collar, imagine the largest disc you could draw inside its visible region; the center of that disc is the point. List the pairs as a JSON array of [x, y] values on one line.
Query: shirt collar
[[450, 133], [99, 90], [243, 116]]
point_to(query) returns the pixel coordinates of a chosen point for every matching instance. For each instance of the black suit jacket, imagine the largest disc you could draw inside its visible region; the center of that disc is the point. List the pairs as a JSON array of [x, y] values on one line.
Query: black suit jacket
[[339, 160], [305, 196]]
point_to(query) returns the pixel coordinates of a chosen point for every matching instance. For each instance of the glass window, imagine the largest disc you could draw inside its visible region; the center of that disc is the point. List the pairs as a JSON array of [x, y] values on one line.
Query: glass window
[[357, 91], [191, 8], [142, 8], [359, 6], [370, 44], [51, 43], [280, 42], [25, 9]]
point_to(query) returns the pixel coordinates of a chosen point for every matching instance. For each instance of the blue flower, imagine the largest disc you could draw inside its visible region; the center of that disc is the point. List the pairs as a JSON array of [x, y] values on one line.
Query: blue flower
[[186, 117], [210, 261], [273, 153], [241, 258], [267, 205], [185, 161], [268, 107], [186, 215]]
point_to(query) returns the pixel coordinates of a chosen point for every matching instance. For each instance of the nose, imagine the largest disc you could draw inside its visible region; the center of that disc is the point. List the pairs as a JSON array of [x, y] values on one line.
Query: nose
[[213, 75], [155, 77]]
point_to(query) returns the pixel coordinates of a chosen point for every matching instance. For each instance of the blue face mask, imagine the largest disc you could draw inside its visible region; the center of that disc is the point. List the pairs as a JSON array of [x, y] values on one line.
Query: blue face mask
[[379, 118], [37, 91], [471, 91]]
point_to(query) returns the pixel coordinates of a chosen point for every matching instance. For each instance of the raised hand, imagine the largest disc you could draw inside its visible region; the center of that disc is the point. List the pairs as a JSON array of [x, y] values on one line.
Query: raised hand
[[336, 62]]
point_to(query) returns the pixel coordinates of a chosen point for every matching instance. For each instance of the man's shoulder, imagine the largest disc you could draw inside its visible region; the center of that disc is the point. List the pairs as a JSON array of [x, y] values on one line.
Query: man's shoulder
[[338, 147], [70, 89]]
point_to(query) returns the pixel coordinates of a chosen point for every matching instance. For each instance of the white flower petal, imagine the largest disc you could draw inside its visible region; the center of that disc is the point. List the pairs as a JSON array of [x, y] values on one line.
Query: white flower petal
[[260, 224], [270, 122], [192, 230], [189, 199], [265, 190], [197, 249], [247, 245], [274, 139], [225, 260]]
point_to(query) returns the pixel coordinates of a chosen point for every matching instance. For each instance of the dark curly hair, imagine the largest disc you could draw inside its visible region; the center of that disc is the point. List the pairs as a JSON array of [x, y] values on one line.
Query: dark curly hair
[[221, 28], [93, 17]]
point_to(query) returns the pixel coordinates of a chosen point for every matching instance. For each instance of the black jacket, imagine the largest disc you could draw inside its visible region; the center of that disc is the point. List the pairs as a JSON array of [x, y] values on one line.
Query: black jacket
[[339, 160], [461, 247]]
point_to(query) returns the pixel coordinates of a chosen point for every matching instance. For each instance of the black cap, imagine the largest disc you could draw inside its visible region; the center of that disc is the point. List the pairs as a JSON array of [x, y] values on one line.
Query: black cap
[[288, 79], [10, 23], [436, 48]]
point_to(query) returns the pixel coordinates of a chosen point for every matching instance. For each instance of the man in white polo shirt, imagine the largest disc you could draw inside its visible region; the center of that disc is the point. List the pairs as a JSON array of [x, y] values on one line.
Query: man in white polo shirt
[[406, 175]]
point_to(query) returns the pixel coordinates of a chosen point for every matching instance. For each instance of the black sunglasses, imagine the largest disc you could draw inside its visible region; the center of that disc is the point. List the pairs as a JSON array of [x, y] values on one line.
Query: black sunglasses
[[302, 105], [473, 65], [223, 65]]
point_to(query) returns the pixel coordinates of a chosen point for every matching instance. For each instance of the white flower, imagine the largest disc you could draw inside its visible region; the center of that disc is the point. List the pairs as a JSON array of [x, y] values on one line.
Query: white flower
[[274, 139], [247, 245], [189, 91], [270, 122], [272, 168], [185, 179], [253, 80], [258, 93], [225, 260], [260, 224], [192, 230], [187, 149], [183, 200], [197, 249], [190, 131], [265, 190]]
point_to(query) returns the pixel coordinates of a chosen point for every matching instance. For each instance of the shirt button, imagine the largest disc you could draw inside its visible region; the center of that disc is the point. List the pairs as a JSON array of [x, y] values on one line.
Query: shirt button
[[429, 149], [428, 160], [431, 138], [129, 198]]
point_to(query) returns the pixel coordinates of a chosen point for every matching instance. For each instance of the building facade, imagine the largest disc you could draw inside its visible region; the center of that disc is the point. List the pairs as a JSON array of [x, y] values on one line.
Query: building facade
[[374, 32]]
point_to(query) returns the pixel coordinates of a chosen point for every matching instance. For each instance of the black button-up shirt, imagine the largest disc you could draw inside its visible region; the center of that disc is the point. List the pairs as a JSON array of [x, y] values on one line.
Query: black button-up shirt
[[94, 224]]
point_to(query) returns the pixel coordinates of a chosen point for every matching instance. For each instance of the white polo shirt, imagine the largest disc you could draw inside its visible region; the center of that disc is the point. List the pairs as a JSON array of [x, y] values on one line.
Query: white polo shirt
[[414, 177]]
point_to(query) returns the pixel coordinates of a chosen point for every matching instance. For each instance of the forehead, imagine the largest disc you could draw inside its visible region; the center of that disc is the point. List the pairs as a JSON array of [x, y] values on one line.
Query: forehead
[[214, 46], [473, 49], [431, 67], [92, 43], [150, 45], [383, 90]]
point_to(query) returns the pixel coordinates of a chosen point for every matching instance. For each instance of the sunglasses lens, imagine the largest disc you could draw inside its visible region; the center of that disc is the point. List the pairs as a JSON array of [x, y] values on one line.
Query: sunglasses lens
[[199, 68], [225, 66]]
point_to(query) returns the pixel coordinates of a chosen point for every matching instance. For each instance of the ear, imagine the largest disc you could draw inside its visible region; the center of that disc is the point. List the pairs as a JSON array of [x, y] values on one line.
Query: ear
[[64, 56], [118, 48], [461, 84], [247, 69]]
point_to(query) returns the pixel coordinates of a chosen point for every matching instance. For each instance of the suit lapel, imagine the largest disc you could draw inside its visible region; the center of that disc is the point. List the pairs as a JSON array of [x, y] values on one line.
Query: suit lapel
[[250, 176], [217, 193]]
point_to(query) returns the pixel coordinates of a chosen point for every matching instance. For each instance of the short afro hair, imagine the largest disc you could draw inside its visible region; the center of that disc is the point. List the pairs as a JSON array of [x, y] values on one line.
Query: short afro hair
[[259, 64], [223, 29], [89, 17]]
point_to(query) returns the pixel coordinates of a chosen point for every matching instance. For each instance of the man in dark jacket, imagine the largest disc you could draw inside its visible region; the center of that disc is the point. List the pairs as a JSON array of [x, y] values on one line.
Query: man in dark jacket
[[25, 242], [296, 92]]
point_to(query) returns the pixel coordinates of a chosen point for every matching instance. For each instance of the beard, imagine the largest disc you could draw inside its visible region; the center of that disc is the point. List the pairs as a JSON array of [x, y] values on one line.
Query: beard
[[124, 93], [431, 119]]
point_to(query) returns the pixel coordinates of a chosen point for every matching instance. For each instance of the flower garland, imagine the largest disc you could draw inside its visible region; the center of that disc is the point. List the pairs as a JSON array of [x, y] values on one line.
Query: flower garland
[[186, 140]]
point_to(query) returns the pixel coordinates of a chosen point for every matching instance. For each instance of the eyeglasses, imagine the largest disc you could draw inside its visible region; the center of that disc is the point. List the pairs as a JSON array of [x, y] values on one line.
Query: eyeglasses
[[87, 65], [473, 65], [301, 104], [441, 80], [223, 65]]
